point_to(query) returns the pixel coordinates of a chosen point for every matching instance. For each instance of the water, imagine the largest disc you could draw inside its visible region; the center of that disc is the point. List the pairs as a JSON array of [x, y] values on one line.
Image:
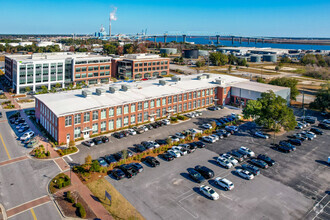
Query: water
[[245, 44]]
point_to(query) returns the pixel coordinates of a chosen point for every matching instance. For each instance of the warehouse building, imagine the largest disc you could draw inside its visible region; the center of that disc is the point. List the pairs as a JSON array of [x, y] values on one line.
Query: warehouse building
[[81, 113]]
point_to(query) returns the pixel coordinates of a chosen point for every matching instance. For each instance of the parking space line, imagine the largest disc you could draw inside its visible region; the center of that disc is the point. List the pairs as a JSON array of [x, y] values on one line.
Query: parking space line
[[321, 211], [33, 214], [4, 145]]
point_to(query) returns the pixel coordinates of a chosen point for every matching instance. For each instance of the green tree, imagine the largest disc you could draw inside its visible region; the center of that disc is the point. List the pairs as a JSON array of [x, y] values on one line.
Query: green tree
[[200, 63], [163, 55], [285, 60], [58, 85], [277, 68], [287, 82], [218, 59], [95, 167], [242, 62], [230, 68], [124, 152], [322, 100], [109, 49], [232, 59], [270, 111], [27, 89]]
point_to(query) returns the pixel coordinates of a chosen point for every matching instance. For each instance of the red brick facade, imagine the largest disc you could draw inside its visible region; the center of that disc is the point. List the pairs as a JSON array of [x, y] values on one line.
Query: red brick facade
[[92, 73], [150, 68]]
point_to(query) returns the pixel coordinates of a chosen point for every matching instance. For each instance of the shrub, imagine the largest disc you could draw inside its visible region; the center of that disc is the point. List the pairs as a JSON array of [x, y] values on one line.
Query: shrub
[[72, 144], [180, 117], [69, 197], [81, 210], [173, 119]]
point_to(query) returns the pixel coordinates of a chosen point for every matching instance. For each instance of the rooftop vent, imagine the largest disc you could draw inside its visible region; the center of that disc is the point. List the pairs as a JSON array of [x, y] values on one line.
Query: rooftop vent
[[201, 77], [162, 82], [112, 89], [220, 81], [86, 93], [100, 91], [206, 75], [176, 78], [124, 87]]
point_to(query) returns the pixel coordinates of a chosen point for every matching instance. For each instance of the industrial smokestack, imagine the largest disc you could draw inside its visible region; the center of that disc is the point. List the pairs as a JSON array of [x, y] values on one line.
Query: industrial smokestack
[[112, 17]]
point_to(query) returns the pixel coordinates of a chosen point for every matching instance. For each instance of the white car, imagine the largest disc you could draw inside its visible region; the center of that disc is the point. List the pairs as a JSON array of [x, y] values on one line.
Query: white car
[[27, 135], [145, 128], [190, 115], [198, 113], [245, 174], [224, 183], [174, 153], [247, 150], [182, 150], [216, 137], [23, 128], [131, 131], [311, 133], [88, 143], [195, 131], [224, 162], [174, 138], [180, 135], [206, 126], [209, 192], [154, 144], [166, 122], [230, 159], [261, 135], [208, 139]]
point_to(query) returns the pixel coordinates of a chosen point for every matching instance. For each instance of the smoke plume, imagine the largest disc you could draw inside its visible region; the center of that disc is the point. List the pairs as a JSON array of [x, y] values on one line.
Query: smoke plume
[[113, 16]]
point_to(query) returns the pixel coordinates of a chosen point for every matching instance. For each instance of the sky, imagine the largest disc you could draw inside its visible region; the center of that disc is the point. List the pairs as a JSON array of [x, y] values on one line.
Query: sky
[[276, 18]]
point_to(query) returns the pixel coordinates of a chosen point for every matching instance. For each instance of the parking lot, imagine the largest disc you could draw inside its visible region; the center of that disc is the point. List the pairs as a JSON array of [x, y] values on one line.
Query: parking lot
[[296, 187]]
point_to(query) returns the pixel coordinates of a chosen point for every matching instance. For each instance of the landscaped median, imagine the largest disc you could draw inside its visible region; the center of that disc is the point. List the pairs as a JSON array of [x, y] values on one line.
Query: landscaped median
[[119, 207]]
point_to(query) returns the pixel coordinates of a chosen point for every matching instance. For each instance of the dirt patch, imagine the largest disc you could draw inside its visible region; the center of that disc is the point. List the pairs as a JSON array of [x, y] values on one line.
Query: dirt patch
[[284, 68], [69, 209]]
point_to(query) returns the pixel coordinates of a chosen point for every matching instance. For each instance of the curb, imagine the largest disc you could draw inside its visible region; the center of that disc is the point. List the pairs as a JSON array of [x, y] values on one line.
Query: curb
[[3, 212]]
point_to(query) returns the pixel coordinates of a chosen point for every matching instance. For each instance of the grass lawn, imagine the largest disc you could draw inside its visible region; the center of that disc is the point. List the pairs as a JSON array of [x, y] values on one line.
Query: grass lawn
[[120, 207]]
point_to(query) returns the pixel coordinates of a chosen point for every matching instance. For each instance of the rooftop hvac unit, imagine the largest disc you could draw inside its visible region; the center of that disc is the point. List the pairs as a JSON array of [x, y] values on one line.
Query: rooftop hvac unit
[[206, 75], [99, 91], [86, 93], [162, 82], [112, 89], [124, 87], [201, 77], [176, 78], [220, 81]]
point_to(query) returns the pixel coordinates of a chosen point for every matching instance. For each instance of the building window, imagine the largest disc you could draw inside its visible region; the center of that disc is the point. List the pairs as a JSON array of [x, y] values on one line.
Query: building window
[[164, 111], [118, 110], [68, 120], [203, 93], [125, 121], [180, 108], [86, 117], [145, 116], [180, 98], [199, 94], [207, 101], [169, 100], [95, 128], [139, 117], [203, 102], [199, 103], [125, 109], [185, 107], [103, 126], [111, 112], [152, 103], [224, 91], [189, 105], [111, 125], [158, 113], [189, 95], [164, 101], [211, 91], [175, 99], [194, 104], [185, 96], [132, 119], [158, 103], [207, 92], [77, 132], [103, 114], [77, 119], [133, 106], [95, 115], [175, 109], [146, 104], [195, 95], [118, 123], [139, 106]]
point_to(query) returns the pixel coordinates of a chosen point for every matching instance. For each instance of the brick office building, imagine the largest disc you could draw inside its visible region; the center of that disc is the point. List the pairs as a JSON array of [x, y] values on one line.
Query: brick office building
[[81, 113]]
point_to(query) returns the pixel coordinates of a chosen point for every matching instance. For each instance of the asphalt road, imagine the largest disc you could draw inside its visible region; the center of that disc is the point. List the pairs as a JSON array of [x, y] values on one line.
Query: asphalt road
[[116, 145]]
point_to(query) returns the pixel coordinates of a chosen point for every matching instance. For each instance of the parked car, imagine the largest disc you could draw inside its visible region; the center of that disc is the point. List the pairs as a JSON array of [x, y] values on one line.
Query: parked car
[[180, 149], [27, 135], [139, 148], [118, 135], [187, 148], [110, 159], [214, 136], [174, 153], [298, 136], [299, 126], [33, 142], [97, 140], [21, 125], [195, 131], [23, 129], [131, 131], [147, 144], [239, 157], [261, 135], [208, 139], [249, 152], [223, 132], [195, 175], [88, 143], [129, 170], [224, 183], [213, 108], [309, 133], [161, 142], [231, 159], [166, 122], [316, 131], [137, 166], [324, 126], [145, 128], [206, 126], [139, 130], [200, 144], [224, 162], [156, 145], [102, 162], [209, 192], [284, 148], [267, 159], [149, 126], [155, 125], [306, 135], [167, 156], [231, 129], [244, 174], [118, 173], [236, 152], [174, 138], [207, 173], [152, 161], [252, 169], [259, 163], [287, 144], [159, 123], [295, 142], [104, 139], [180, 135]]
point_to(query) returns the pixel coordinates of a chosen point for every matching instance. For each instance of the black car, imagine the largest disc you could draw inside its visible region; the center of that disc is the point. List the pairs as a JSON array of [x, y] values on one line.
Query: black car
[[97, 140], [118, 135], [207, 173], [259, 163], [152, 161], [105, 139], [224, 133], [195, 175], [267, 159], [295, 142], [192, 146], [149, 126], [285, 143], [118, 156], [298, 136], [284, 148], [128, 170], [110, 159], [200, 144], [161, 142], [147, 145], [155, 125], [167, 156], [236, 153], [118, 173], [159, 123], [310, 120], [324, 126], [316, 131], [252, 169], [125, 133], [139, 148], [137, 167]]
